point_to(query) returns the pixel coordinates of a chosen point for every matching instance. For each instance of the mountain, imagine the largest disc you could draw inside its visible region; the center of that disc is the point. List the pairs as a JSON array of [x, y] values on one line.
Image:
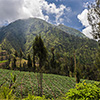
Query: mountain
[[71, 31], [21, 33]]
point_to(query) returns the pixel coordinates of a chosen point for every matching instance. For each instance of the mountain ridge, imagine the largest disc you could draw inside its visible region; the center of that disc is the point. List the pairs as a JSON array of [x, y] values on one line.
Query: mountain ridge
[[70, 30], [21, 33]]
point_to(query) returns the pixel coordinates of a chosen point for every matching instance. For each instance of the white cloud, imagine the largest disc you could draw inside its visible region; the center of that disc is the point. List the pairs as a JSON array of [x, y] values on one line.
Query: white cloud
[[52, 9], [46, 18], [32, 8], [8, 10], [11, 10], [83, 19], [87, 31]]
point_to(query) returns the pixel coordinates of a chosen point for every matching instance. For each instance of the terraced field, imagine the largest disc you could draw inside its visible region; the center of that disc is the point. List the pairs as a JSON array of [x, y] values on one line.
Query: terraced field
[[27, 82]]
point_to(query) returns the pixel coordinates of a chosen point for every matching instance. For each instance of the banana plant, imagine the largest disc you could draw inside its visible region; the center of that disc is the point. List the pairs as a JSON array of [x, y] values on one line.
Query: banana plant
[[12, 80]]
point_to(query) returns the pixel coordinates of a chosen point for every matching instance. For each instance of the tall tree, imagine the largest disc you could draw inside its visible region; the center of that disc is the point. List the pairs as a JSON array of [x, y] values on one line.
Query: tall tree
[[34, 66], [94, 18], [20, 55], [14, 60], [76, 73], [29, 61], [71, 66], [14, 63], [53, 61], [40, 51], [97, 62], [16, 54], [94, 21], [53, 57]]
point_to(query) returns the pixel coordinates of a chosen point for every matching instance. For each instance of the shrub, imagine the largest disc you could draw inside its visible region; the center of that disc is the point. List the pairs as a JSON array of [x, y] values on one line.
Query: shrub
[[6, 94], [84, 91], [32, 97]]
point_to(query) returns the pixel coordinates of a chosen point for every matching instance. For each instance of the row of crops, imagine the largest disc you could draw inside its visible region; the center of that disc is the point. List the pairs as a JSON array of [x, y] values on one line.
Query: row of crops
[[27, 82]]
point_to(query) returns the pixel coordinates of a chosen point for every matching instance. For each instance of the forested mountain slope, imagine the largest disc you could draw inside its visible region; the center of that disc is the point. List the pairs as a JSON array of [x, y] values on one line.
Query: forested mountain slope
[[21, 33], [71, 31]]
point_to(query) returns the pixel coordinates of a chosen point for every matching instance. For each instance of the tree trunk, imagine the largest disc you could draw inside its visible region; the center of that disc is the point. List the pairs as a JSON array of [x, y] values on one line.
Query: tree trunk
[[38, 84], [75, 65], [34, 67], [20, 62], [41, 77]]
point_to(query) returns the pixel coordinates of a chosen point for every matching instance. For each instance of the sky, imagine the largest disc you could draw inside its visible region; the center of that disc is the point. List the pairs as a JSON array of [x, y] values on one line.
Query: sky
[[72, 13]]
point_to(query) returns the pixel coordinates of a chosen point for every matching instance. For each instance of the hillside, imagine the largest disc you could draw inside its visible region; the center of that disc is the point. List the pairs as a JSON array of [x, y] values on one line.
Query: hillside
[[71, 31], [21, 33]]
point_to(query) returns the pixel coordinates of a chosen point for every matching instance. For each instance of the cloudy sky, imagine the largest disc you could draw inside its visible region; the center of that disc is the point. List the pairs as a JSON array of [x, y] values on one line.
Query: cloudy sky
[[72, 13]]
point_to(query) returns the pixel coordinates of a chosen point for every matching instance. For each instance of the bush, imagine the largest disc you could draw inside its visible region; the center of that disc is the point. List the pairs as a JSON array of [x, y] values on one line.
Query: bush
[[32, 97], [83, 91], [6, 94]]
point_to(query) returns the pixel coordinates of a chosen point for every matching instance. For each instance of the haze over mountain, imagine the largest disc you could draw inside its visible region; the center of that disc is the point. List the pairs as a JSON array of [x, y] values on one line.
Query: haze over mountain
[[21, 33]]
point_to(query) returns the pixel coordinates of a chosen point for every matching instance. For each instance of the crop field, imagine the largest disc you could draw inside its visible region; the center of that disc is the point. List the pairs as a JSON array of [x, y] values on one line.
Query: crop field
[[27, 82]]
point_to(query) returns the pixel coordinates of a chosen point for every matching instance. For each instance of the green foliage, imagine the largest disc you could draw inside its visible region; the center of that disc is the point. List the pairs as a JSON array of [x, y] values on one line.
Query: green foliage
[[77, 76], [21, 54], [11, 81], [3, 61], [6, 93], [14, 63], [32, 97], [53, 61], [54, 86], [16, 54], [39, 50], [97, 62], [29, 61], [13, 78], [21, 33], [84, 91], [71, 31]]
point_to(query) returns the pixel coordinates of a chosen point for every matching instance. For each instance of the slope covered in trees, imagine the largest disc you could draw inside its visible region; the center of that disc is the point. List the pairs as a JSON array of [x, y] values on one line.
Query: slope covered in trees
[[71, 31], [21, 33]]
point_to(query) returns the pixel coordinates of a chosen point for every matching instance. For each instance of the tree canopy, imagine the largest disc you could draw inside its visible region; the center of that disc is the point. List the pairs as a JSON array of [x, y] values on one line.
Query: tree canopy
[[94, 18], [39, 50]]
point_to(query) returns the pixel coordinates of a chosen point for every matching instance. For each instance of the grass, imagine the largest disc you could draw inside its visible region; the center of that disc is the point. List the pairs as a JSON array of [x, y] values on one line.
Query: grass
[[27, 82]]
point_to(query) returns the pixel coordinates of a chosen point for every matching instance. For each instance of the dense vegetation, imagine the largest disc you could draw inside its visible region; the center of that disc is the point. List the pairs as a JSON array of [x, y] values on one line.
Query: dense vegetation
[[84, 91], [71, 31], [17, 39], [21, 33], [69, 54], [55, 63], [93, 19]]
